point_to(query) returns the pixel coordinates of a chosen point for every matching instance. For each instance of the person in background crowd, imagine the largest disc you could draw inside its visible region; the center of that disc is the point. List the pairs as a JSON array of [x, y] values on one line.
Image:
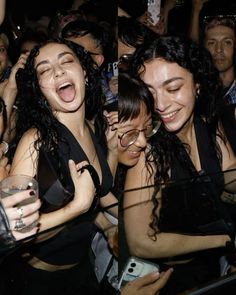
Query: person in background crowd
[[5, 67], [217, 33], [131, 35], [8, 214], [98, 41], [220, 40], [143, 15], [9, 93], [29, 39], [161, 27]]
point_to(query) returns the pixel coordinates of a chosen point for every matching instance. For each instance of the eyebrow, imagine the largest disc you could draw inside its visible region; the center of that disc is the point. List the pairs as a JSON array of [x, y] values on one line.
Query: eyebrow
[[224, 38], [172, 80], [131, 125], [60, 55]]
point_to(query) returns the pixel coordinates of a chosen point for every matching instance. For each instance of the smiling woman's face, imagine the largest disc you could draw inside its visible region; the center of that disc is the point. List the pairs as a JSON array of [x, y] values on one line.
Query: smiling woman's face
[[174, 92], [129, 155]]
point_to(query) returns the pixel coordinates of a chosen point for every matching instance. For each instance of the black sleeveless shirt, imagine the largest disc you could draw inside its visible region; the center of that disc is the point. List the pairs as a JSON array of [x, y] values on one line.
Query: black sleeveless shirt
[[191, 202], [56, 188]]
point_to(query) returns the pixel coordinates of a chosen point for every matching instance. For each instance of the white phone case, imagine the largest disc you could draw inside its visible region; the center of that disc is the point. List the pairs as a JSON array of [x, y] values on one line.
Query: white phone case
[[115, 68], [135, 268], [154, 7]]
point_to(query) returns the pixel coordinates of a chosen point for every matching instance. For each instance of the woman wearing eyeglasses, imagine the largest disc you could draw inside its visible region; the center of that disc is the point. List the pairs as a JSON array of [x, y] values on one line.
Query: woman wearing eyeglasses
[[137, 124]]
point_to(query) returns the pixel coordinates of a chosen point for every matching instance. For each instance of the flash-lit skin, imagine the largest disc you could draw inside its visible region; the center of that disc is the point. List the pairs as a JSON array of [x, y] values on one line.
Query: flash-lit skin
[[220, 41], [55, 65], [129, 156], [1, 123], [61, 79], [124, 49], [3, 58], [174, 93]]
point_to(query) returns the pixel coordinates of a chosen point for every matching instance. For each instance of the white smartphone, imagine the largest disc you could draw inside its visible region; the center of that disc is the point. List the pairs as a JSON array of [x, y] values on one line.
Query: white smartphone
[[154, 8], [135, 268], [115, 68]]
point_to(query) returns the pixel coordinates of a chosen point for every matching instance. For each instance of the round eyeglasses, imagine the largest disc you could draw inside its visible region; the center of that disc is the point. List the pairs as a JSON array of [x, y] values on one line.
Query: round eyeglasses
[[129, 137]]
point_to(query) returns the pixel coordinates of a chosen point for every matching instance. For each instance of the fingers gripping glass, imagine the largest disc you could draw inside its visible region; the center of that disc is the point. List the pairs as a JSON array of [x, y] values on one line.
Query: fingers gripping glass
[[129, 137]]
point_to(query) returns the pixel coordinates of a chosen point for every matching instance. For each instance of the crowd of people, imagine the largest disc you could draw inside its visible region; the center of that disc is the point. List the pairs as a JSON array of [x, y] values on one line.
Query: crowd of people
[[129, 129]]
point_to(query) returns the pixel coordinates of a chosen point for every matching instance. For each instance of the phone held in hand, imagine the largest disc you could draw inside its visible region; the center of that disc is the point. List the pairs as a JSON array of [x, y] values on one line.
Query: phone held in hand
[[112, 69], [135, 268], [154, 8]]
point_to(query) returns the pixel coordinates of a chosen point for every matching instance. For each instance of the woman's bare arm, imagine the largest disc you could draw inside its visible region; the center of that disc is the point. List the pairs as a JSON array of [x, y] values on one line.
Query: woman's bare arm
[[137, 216]]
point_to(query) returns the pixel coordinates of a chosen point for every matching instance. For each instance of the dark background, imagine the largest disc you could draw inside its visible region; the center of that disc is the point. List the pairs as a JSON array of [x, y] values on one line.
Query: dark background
[[36, 8]]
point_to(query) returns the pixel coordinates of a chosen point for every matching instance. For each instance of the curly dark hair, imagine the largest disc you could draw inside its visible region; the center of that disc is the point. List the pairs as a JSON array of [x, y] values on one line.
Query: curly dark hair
[[194, 58], [166, 146], [34, 111], [133, 33]]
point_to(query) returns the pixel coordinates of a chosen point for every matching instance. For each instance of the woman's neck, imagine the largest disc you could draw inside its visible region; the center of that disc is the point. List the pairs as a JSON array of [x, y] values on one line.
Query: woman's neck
[[187, 132], [75, 121]]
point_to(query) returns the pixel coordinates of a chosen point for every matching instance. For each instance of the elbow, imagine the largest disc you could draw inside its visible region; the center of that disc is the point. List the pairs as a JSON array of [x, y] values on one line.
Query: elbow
[[139, 248]]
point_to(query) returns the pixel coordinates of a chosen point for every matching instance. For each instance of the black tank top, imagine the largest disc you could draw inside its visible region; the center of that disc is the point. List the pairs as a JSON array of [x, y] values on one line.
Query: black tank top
[[191, 202]]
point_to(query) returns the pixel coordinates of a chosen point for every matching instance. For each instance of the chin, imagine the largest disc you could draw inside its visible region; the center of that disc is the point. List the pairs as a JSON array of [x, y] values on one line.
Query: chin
[[131, 162], [128, 162]]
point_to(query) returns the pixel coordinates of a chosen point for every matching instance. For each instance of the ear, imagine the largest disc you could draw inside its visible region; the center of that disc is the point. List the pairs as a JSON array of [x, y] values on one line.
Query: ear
[[99, 59]]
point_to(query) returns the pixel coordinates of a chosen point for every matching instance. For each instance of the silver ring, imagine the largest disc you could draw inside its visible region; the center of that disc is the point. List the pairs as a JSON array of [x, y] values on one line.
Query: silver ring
[[19, 224], [19, 211]]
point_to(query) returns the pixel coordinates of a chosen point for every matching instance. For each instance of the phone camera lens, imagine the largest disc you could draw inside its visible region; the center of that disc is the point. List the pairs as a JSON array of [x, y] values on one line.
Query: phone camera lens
[[133, 264], [130, 270]]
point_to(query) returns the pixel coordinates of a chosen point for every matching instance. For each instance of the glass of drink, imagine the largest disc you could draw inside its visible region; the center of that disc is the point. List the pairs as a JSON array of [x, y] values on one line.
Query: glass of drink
[[16, 183]]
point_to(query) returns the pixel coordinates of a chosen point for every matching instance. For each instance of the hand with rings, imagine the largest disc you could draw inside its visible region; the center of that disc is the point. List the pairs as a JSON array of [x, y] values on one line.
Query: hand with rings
[[21, 216], [19, 222]]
